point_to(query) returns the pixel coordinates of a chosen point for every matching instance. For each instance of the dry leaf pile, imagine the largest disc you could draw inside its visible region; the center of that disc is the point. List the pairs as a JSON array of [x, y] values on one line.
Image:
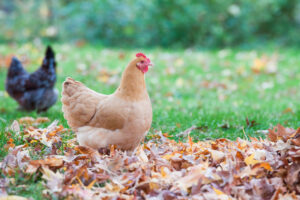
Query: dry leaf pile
[[160, 168]]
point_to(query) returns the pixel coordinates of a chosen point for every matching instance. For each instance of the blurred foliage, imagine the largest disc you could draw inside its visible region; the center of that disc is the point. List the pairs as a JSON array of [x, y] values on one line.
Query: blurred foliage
[[182, 23]]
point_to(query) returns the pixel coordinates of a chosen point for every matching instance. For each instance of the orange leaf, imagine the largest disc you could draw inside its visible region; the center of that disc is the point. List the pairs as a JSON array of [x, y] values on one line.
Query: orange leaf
[[52, 162], [239, 155], [190, 141], [10, 140], [91, 184], [60, 127], [79, 181], [265, 165], [166, 134], [52, 133], [112, 150]]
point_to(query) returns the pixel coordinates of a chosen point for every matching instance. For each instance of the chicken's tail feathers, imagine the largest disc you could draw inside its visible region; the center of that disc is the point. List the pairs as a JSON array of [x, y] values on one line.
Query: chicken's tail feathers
[[70, 86], [49, 53], [69, 81], [49, 59]]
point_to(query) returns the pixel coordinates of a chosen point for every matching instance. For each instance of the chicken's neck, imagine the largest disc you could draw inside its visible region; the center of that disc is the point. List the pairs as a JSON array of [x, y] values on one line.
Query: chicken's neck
[[133, 86]]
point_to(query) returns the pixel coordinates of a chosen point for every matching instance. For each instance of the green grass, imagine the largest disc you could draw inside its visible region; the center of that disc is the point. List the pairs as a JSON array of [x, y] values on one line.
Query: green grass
[[176, 88], [175, 84]]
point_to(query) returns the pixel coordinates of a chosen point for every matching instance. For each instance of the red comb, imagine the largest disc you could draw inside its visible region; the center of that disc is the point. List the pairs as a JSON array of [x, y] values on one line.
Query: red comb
[[140, 54]]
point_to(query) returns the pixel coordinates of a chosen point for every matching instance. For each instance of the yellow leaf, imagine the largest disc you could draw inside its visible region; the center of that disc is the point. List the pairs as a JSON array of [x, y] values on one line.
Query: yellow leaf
[[167, 156], [218, 192], [179, 62], [163, 172], [250, 160], [153, 186], [91, 184], [13, 197], [179, 82], [258, 65], [79, 181], [104, 78]]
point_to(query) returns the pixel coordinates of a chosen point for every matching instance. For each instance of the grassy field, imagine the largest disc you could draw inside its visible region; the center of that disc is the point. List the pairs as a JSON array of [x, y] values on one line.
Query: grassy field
[[215, 90]]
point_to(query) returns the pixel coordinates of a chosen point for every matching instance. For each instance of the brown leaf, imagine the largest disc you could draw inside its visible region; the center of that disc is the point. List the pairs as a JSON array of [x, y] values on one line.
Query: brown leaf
[[160, 168], [281, 133], [26, 120], [51, 162], [42, 120], [250, 123], [293, 177], [262, 188]]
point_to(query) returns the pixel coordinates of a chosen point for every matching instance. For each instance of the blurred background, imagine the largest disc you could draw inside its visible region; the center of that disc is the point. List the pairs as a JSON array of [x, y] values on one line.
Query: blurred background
[[140, 23]]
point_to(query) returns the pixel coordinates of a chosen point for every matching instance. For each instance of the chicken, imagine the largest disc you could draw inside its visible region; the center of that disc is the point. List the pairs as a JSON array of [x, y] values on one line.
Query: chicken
[[121, 119], [33, 91]]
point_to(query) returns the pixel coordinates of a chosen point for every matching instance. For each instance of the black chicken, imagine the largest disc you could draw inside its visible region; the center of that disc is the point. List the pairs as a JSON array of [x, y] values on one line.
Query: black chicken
[[33, 91]]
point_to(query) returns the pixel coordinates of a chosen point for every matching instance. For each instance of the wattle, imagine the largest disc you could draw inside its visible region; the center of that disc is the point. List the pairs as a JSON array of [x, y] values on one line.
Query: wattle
[[144, 69]]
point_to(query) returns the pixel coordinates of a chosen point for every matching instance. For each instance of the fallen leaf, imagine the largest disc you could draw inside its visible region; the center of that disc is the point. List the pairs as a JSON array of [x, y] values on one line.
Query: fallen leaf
[[54, 180], [265, 165], [160, 168], [218, 192], [250, 160], [13, 197]]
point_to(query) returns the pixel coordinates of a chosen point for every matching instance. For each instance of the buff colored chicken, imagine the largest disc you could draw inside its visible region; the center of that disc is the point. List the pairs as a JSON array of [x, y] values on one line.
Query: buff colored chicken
[[122, 118]]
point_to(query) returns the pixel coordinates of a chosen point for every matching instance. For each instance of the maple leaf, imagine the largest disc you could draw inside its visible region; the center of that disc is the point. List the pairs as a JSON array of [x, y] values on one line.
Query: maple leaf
[[54, 180], [250, 160], [281, 133]]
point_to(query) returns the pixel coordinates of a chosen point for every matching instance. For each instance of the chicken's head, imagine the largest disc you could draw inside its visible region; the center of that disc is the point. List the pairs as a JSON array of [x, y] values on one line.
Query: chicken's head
[[144, 64]]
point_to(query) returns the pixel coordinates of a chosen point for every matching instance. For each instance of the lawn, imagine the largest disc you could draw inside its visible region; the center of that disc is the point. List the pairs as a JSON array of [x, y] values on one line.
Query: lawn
[[214, 90]]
